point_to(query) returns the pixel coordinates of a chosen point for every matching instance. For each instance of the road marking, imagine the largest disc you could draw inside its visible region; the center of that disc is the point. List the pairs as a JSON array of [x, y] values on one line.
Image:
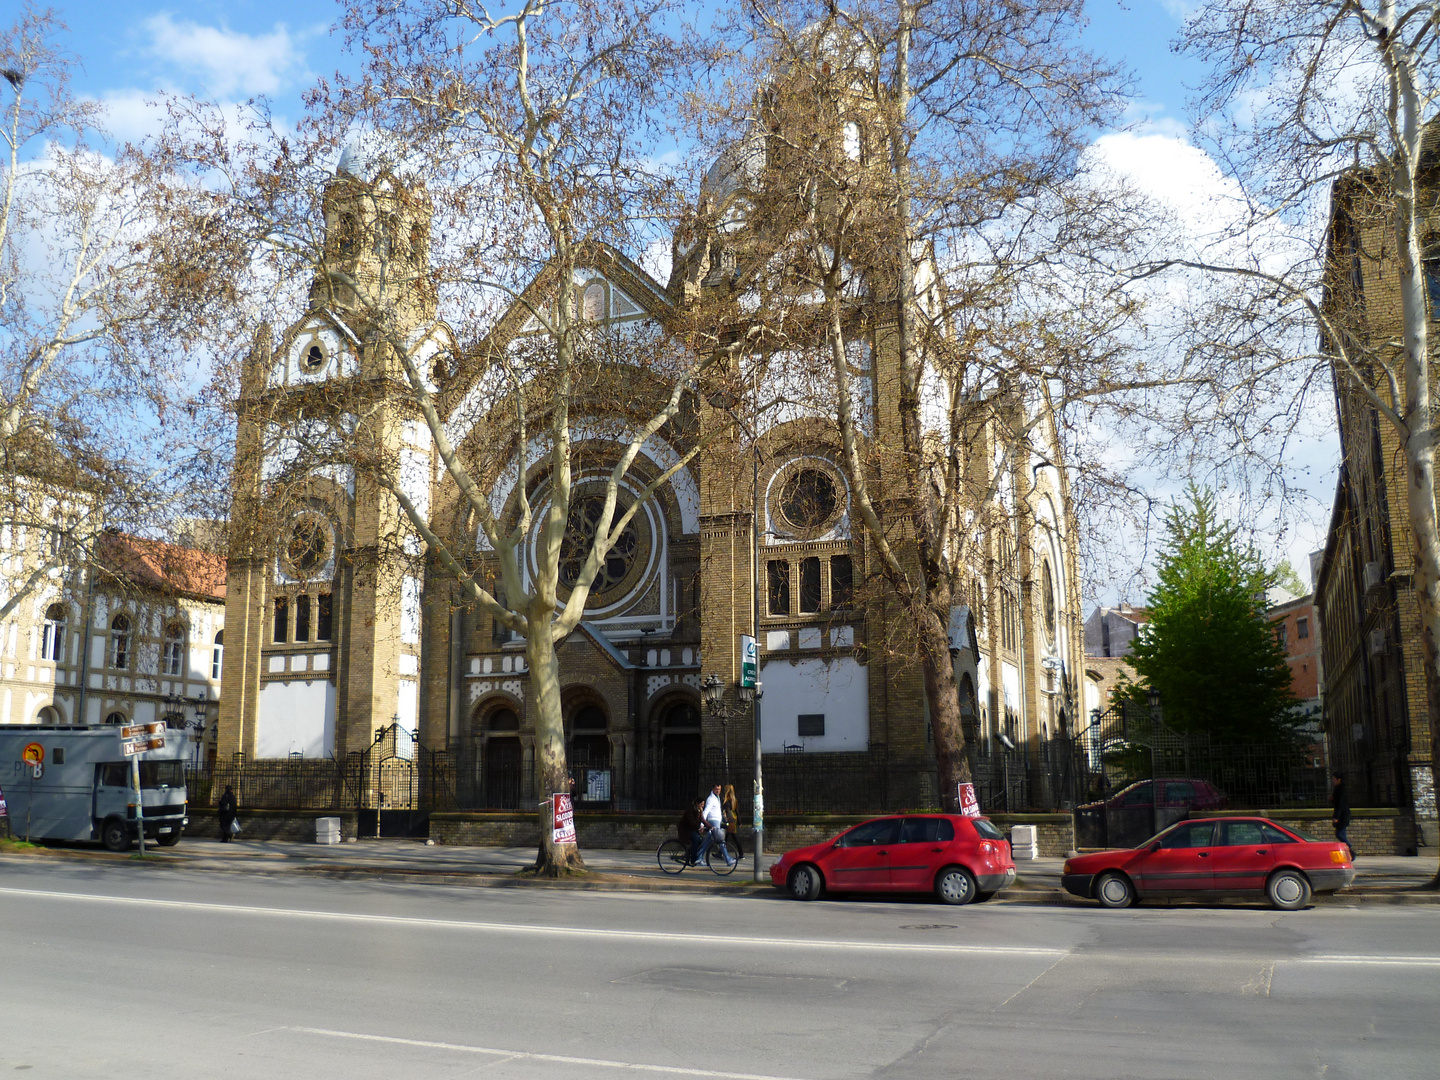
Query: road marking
[[552, 931], [557, 1059], [1374, 961]]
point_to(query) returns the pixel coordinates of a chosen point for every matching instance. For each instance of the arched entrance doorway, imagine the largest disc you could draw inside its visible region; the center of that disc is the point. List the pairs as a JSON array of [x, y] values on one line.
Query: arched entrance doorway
[[504, 760], [680, 752], [587, 751]]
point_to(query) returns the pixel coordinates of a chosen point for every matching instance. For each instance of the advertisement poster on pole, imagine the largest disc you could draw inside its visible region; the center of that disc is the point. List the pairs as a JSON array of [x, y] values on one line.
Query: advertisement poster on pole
[[563, 818], [969, 804], [749, 662]]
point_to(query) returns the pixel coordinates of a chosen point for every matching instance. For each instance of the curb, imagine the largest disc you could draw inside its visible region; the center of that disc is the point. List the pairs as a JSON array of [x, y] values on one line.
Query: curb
[[602, 881]]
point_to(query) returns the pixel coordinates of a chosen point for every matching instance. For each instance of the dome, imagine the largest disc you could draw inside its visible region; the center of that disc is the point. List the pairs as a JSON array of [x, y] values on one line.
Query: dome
[[739, 166], [369, 151]]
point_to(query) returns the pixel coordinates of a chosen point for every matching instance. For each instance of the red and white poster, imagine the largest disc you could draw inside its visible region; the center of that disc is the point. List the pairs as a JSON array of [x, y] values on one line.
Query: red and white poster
[[3, 811], [563, 818], [969, 804]]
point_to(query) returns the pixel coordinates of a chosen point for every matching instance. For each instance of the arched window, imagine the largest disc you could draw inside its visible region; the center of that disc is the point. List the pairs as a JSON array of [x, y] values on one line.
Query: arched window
[[115, 718], [52, 643], [592, 308], [218, 655], [172, 659], [851, 138], [119, 643], [48, 714]]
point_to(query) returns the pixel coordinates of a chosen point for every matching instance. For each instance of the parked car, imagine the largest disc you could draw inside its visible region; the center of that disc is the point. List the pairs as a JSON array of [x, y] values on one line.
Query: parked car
[[1229, 856], [960, 858]]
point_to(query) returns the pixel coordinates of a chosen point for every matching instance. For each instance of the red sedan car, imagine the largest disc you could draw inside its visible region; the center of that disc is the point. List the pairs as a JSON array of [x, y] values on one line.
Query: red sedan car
[[1214, 857], [960, 858]]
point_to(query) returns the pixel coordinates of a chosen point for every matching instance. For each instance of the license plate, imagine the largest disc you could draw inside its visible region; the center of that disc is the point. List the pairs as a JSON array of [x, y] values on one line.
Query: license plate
[[166, 829]]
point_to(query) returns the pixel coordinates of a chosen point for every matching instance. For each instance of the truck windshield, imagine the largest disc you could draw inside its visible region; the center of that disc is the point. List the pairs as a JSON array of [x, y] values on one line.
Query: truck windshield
[[153, 774]]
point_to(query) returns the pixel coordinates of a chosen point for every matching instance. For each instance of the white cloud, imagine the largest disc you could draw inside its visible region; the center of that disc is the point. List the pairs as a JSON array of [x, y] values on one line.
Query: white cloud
[[225, 61]]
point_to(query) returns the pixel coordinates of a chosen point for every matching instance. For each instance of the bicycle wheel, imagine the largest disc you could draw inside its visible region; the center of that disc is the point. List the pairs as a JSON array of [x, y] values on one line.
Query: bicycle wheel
[[715, 859], [671, 856]]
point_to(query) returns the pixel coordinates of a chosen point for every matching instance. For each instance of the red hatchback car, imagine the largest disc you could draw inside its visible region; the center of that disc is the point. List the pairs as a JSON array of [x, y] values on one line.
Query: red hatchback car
[[1214, 857], [960, 858]]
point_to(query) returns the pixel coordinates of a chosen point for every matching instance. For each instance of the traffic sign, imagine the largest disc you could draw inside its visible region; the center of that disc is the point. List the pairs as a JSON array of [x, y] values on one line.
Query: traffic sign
[[142, 744], [33, 754], [749, 662], [131, 731]]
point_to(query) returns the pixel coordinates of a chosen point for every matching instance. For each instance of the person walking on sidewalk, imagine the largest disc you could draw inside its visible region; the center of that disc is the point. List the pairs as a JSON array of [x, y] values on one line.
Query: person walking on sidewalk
[[1340, 817], [227, 814], [714, 816]]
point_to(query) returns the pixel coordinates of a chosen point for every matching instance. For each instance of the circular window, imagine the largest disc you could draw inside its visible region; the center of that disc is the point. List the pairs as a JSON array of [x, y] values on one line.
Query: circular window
[[808, 499], [307, 546], [580, 538], [1049, 599], [313, 359]]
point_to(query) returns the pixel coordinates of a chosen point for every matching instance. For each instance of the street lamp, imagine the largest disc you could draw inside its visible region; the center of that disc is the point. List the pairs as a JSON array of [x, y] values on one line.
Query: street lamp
[[712, 694]]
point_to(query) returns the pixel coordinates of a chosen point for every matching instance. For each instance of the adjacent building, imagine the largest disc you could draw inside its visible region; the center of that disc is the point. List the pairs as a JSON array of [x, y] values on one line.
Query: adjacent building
[[1375, 706]]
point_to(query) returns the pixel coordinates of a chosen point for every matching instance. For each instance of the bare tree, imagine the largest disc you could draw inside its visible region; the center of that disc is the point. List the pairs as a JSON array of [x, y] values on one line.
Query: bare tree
[[527, 139], [1315, 106], [103, 420], [909, 182]]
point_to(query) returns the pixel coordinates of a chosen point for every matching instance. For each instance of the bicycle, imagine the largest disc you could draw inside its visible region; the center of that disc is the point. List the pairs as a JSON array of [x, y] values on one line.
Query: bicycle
[[674, 857]]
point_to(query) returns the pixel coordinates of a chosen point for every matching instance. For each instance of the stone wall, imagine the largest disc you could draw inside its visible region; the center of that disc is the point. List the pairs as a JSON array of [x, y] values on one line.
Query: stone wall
[[269, 824], [1379, 831]]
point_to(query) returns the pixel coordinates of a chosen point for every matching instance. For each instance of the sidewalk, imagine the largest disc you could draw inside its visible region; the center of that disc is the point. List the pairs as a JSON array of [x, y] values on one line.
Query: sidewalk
[[1383, 878]]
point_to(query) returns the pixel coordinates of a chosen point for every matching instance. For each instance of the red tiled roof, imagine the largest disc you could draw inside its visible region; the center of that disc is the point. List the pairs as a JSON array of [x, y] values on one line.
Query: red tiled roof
[[153, 564]]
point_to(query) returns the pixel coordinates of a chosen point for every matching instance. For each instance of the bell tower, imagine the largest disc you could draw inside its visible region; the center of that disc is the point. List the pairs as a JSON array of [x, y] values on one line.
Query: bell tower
[[325, 573]]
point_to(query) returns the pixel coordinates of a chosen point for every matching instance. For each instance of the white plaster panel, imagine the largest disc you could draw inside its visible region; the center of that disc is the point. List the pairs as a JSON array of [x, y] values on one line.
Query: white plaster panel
[[295, 718], [839, 688]]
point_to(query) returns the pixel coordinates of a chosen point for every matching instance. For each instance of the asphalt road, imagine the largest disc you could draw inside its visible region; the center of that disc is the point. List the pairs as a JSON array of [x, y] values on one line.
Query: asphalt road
[[118, 970]]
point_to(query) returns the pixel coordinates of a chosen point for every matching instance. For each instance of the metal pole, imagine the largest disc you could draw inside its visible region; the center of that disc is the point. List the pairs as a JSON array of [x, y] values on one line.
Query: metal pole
[[759, 805], [139, 800]]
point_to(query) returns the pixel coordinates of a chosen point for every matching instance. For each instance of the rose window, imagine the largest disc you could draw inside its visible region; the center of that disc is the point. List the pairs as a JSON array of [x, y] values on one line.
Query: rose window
[[580, 538], [808, 499]]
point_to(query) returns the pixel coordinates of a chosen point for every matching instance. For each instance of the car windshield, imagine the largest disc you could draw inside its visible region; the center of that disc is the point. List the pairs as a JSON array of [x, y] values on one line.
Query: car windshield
[[153, 774]]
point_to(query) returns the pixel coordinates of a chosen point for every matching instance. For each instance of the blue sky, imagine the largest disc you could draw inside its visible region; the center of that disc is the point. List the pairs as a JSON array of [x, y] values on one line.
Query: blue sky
[[234, 50]]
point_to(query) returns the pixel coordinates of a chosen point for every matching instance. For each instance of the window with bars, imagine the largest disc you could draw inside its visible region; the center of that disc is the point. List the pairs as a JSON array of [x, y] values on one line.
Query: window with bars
[[322, 617], [282, 619], [302, 617]]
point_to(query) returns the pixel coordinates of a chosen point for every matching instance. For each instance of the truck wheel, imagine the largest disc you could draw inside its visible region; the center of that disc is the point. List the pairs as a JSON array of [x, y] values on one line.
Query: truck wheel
[[169, 839], [115, 835]]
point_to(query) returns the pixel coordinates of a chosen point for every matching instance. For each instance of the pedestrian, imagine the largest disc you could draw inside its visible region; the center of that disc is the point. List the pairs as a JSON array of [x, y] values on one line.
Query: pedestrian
[[1340, 812], [690, 827], [714, 818], [227, 814], [731, 805]]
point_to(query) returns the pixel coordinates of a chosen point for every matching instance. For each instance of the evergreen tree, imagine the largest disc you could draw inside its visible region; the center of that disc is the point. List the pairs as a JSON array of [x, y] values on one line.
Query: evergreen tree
[[1209, 649]]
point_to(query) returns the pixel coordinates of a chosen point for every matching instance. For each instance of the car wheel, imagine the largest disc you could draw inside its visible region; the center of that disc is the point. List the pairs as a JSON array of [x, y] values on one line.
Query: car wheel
[[805, 883], [1288, 890], [1114, 891], [955, 885], [114, 835]]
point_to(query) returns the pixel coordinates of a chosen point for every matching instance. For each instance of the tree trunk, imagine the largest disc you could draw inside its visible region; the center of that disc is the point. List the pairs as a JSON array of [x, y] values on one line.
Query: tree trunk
[[944, 699], [551, 773]]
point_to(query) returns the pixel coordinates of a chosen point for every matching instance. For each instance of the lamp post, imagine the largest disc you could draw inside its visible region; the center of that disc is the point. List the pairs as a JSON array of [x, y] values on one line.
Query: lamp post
[[712, 694]]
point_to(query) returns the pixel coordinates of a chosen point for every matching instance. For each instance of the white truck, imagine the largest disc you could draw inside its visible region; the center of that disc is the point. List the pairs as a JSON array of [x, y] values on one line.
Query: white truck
[[77, 783]]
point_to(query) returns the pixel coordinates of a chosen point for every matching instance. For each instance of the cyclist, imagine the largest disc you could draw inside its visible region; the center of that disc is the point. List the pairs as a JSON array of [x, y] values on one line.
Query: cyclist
[[714, 819], [690, 827]]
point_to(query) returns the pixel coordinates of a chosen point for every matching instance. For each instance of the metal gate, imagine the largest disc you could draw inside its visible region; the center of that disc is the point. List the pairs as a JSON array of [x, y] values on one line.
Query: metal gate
[[397, 782]]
